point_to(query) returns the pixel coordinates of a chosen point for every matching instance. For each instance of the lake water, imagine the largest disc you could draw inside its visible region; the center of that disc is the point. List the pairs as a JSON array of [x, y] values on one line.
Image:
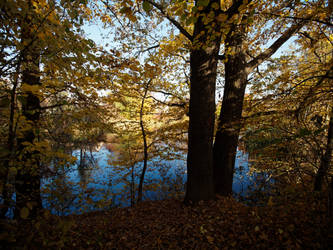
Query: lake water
[[99, 185]]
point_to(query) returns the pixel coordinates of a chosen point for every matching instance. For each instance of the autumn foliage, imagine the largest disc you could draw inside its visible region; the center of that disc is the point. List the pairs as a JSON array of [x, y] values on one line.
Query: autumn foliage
[[160, 81]]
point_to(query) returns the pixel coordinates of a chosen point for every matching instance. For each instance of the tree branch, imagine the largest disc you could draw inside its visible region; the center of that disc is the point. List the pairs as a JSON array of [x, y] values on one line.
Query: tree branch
[[234, 8], [275, 46], [171, 19], [259, 114], [221, 57], [328, 23], [181, 105], [148, 49], [311, 91]]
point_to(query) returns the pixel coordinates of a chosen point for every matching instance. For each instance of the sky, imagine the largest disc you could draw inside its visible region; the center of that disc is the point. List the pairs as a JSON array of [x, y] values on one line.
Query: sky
[[103, 36]]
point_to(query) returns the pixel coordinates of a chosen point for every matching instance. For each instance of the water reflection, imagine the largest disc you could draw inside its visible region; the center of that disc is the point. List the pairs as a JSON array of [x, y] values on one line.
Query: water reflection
[[92, 183]]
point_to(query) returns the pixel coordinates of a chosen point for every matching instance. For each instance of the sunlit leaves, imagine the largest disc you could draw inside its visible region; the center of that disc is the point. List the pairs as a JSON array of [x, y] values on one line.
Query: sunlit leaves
[[295, 89]]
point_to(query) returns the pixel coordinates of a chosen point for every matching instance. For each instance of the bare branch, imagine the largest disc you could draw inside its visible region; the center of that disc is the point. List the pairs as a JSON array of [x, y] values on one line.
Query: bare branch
[[328, 23], [149, 48]]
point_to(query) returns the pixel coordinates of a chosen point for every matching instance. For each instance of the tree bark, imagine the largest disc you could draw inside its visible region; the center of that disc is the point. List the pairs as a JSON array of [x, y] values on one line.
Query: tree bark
[[204, 53], [27, 183], [6, 194], [203, 64], [326, 159], [145, 146], [229, 122]]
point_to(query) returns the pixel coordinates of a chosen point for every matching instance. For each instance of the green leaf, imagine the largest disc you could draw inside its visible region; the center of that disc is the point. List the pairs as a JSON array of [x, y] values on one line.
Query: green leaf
[[24, 213]]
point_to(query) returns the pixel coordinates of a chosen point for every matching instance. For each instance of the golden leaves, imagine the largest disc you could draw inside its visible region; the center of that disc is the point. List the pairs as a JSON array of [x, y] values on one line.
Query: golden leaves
[[222, 17], [128, 12], [34, 89]]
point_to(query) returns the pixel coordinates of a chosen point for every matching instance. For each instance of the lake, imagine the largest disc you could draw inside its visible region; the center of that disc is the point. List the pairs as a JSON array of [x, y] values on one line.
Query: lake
[[98, 184]]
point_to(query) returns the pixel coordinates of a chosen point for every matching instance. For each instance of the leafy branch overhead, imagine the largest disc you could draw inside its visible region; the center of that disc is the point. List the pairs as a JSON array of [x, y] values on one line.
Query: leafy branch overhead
[[109, 103]]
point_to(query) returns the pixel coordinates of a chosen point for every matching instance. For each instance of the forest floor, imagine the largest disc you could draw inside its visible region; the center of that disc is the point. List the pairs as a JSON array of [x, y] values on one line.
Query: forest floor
[[291, 221]]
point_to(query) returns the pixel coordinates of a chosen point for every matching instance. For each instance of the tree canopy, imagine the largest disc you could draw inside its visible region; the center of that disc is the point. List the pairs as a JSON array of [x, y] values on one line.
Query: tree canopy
[[160, 81]]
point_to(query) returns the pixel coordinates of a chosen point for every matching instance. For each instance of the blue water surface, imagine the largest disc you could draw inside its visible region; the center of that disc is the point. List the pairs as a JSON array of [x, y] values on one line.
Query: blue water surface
[[99, 185]]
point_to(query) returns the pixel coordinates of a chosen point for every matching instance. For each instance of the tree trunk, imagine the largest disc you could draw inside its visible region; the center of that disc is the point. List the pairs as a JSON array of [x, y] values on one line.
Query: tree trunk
[[203, 63], [330, 201], [28, 178], [6, 194], [229, 122], [132, 187], [326, 158], [27, 184], [145, 146]]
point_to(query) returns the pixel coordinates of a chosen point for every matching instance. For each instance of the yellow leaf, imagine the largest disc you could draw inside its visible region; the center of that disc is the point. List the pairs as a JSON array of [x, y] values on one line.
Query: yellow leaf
[[132, 18], [222, 18], [270, 201], [24, 213], [210, 239]]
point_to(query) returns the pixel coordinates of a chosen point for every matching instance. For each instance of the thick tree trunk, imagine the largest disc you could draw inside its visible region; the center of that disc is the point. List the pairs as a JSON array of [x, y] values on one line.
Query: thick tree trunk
[[27, 183], [326, 158], [6, 194], [203, 63], [229, 122]]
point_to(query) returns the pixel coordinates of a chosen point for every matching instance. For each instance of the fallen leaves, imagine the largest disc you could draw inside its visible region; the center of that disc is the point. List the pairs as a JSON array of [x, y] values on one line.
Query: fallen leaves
[[221, 224]]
